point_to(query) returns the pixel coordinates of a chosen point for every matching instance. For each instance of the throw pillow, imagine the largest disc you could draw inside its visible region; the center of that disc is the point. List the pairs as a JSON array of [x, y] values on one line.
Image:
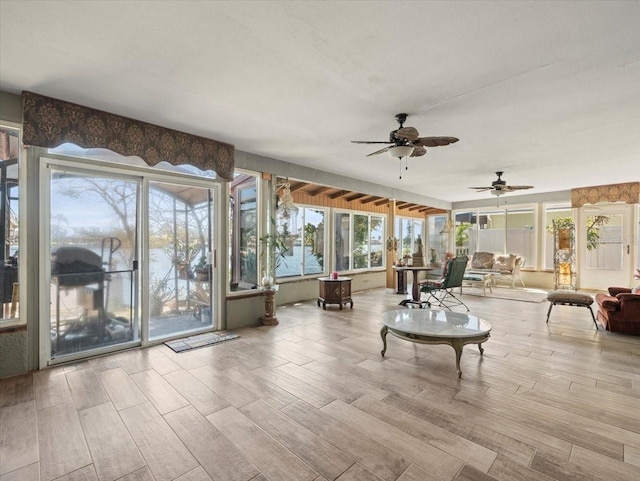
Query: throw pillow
[[505, 263], [482, 260], [635, 290]]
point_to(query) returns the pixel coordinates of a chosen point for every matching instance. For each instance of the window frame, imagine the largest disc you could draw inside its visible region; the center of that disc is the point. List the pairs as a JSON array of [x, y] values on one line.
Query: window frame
[[302, 275], [547, 206], [369, 215], [23, 315], [397, 231], [439, 223], [477, 212], [233, 245]]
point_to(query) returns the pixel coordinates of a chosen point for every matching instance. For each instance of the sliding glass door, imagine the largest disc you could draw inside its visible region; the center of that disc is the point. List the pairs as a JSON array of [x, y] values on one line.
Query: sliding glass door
[[127, 257], [93, 243], [180, 274]]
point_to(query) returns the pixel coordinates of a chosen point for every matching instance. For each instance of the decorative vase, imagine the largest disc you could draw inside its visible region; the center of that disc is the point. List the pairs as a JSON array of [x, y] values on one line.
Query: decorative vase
[[267, 281]]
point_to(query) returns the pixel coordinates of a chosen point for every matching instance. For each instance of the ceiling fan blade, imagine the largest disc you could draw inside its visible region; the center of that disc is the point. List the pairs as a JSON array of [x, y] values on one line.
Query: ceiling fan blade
[[418, 152], [434, 141], [379, 151], [481, 189], [518, 187], [407, 133], [370, 142]]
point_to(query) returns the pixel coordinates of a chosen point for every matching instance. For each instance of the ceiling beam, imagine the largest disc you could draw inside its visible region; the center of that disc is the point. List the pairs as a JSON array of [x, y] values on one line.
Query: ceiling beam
[[417, 207], [319, 190], [340, 193], [406, 205], [369, 200], [298, 186], [381, 202], [354, 197]]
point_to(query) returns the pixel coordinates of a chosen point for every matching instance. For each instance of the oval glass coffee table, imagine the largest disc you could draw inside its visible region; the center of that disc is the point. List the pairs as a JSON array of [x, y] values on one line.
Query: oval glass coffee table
[[435, 326]]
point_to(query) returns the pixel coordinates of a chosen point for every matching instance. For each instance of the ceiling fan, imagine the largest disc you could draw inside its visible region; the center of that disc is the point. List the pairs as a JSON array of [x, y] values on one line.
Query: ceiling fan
[[406, 142], [500, 187]]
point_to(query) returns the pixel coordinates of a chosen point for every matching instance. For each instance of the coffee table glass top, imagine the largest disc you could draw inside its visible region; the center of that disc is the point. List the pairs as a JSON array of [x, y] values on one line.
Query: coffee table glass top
[[436, 323]]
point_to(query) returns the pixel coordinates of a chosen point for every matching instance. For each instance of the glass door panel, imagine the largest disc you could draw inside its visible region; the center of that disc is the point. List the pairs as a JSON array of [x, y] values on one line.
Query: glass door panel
[[605, 246], [93, 244], [180, 274]]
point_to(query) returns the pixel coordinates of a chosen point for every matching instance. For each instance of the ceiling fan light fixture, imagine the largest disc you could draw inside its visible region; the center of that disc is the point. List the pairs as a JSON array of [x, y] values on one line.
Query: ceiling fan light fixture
[[400, 151], [497, 192]]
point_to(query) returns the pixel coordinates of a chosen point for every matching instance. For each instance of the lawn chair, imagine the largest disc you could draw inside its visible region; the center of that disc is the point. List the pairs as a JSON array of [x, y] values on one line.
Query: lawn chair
[[441, 291]]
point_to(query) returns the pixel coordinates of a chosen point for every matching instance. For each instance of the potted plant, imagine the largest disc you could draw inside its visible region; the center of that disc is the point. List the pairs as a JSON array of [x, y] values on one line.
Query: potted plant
[[273, 249], [201, 270], [593, 228], [183, 255]]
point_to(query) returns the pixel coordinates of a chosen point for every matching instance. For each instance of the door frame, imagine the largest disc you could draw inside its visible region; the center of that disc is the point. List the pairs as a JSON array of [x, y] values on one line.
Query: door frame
[[143, 175]]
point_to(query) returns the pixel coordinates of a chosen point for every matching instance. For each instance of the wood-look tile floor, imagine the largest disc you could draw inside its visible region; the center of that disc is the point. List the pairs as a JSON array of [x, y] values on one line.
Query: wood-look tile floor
[[312, 399]]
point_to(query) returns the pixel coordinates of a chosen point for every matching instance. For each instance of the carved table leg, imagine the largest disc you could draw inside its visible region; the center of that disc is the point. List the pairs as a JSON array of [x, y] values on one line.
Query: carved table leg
[[481, 349], [383, 334], [457, 346]]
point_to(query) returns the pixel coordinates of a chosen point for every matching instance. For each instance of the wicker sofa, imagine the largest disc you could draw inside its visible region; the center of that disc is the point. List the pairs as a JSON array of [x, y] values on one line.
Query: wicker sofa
[[504, 267]]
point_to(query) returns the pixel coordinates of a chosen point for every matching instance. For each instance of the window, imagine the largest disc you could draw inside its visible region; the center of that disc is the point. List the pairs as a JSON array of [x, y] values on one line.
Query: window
[[465, 233], [437, 243], [342, 240], [358, 241], [551, 212], [521, 234], [502, 230], [408, 231], [376, 233], [9, 228], [605, 243], [243, 229], [491, 226], [305, 246]]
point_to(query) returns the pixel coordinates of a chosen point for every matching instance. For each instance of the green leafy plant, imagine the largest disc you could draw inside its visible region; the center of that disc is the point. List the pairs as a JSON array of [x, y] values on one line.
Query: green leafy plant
[[310, 232], [593, 228], [274, 248], [462, 234]]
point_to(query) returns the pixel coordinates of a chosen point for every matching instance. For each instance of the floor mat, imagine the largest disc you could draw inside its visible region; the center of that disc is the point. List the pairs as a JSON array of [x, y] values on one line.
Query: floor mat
[[201, 340]]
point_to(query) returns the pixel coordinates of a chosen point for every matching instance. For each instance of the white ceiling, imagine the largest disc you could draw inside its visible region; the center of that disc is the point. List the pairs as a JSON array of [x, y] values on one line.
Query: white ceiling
[[549, 92]]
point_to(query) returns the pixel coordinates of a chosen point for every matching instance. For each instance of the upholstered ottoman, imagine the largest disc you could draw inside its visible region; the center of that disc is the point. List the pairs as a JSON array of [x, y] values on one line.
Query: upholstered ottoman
[[569, 298], [479, 280]]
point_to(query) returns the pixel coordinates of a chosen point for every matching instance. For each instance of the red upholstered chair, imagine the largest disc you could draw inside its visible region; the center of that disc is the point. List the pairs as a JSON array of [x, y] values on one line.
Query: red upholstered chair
[[619, 311]]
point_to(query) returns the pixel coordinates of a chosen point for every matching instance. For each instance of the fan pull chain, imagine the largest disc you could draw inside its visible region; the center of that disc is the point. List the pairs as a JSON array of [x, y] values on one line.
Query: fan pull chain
[[400, 169]]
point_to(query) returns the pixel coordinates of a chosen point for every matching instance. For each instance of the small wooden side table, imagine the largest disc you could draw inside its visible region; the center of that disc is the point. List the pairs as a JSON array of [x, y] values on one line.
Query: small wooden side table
[[334, 291]]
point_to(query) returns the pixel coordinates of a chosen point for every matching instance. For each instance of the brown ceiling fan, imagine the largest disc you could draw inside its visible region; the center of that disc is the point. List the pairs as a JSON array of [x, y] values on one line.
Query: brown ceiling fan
[[407, 137], [406, 142], [499, 187]]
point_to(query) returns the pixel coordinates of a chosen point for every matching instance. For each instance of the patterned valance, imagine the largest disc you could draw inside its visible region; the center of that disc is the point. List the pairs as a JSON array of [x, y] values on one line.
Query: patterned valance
[[628, 192], [49, 122]]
